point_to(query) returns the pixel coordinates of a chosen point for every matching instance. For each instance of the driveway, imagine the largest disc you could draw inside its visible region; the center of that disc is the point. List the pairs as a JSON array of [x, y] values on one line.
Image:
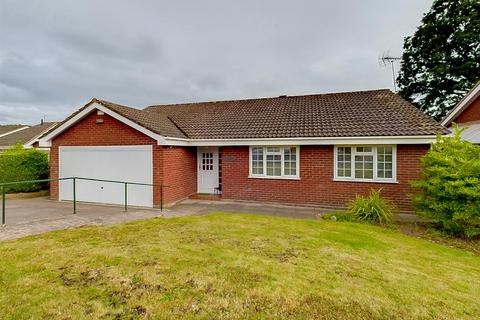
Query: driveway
[[26, 217], [33, 216]]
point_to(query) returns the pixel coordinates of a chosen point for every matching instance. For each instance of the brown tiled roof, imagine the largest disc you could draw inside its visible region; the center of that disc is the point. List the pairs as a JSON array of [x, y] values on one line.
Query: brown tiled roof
[[154, 121], [10, 127], [349, 114], [25, 135]]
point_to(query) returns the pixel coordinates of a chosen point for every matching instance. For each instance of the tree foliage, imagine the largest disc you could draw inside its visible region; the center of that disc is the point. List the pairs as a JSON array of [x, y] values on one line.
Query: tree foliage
[[450, 185], [441, 61]]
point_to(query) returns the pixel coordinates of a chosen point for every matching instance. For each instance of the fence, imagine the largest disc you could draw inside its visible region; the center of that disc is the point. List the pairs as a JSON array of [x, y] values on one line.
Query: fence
[[74, 180]]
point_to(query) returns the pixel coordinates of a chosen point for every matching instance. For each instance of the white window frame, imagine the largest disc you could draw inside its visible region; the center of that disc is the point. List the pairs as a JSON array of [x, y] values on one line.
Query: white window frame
[[393, 179], [282, 176]]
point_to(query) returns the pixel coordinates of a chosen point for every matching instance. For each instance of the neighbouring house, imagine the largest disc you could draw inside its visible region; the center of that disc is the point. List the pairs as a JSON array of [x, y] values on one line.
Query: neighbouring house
[[466, 114], [26, 135], [320, 149]]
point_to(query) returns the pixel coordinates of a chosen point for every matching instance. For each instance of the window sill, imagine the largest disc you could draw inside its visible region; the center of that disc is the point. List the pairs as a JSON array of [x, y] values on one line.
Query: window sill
[[365, 181], [273, 178]]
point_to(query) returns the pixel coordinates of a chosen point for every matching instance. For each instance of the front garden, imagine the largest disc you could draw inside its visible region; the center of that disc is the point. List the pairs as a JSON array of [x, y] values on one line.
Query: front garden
[[234, 266]]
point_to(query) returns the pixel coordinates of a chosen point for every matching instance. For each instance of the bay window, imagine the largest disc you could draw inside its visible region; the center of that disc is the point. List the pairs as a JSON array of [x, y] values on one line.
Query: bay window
[[274, 162], [365, 163]]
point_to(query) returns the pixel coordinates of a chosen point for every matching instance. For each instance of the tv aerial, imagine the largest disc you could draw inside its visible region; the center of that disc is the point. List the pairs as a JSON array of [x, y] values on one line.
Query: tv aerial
[[386, 59]]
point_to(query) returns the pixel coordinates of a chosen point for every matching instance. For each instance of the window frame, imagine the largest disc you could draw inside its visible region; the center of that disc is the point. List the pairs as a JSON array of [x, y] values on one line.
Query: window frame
[[375, 178], [282, 176]]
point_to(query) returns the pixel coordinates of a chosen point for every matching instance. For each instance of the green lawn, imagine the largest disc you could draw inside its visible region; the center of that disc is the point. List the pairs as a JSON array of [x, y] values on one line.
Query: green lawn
[[233, 266]]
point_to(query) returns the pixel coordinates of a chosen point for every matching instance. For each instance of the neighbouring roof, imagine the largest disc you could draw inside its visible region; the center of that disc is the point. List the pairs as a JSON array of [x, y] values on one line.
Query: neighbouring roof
[[350, 114], [462, 105], [25, 135], [4, 129]]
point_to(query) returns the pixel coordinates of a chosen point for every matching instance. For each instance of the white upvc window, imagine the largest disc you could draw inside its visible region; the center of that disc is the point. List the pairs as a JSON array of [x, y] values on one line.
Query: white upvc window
[[366, 163], [275, 162]]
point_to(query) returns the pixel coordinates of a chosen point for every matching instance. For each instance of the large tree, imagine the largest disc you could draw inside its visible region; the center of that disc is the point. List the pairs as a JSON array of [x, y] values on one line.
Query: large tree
[[441, 61]]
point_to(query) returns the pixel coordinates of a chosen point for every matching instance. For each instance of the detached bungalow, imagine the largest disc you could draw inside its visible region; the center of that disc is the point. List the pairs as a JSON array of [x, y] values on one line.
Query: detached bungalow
[[318, 149]]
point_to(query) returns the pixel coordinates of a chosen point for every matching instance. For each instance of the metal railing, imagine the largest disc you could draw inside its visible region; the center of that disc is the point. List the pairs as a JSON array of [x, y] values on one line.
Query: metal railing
[[4, 185]]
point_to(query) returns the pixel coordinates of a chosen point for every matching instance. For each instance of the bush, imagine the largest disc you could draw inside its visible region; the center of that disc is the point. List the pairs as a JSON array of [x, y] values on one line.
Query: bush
[[18, 164], [449, 189], [372, 209]]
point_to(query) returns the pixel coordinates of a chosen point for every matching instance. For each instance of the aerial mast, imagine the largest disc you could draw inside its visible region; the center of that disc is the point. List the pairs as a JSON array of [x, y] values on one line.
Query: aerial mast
[[386, 59]]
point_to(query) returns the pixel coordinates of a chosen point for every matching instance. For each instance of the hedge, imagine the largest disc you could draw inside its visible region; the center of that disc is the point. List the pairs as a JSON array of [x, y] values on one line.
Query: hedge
[[18, 164]]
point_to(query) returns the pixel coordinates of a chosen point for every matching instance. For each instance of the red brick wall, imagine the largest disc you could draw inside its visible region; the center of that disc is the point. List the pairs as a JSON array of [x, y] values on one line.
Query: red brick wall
[[180, 172], [472, 113], [113, 132], [316, 185]]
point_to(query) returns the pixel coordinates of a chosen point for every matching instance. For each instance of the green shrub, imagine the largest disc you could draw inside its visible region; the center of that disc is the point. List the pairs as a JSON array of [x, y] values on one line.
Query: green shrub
[[18, 164], [372, 208], [449, 189]]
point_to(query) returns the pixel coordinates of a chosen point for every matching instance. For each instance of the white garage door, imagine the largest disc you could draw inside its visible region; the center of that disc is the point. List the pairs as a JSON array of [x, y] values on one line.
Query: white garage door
[[119, 163]]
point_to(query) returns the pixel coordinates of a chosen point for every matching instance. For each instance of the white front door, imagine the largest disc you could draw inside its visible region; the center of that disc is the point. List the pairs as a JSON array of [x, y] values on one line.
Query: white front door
[[119, 163], [207, 169]]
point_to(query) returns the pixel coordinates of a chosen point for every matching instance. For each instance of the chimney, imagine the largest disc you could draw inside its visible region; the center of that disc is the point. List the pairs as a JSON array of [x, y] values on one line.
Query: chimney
[[283, 96], [41, 122]]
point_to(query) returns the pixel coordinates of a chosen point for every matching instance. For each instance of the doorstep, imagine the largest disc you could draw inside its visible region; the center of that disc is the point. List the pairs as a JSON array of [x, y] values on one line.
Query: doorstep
[[206, 196]]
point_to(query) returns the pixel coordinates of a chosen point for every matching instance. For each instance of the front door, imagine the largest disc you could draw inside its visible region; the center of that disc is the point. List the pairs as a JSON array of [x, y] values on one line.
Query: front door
[[207, 169]]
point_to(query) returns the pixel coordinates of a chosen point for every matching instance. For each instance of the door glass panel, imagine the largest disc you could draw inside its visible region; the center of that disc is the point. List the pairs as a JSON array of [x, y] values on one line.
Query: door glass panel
[[207, 161]]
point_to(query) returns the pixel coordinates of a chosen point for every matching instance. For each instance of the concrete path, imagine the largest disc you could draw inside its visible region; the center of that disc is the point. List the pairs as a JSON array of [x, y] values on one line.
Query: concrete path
[[191, 206]]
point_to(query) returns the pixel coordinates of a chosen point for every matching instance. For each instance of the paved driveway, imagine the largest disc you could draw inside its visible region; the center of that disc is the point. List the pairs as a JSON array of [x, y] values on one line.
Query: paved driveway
[[33, 216]]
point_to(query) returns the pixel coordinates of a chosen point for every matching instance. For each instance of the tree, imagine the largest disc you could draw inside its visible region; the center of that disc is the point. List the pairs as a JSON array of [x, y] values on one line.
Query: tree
[[449, 188], [441, 61]]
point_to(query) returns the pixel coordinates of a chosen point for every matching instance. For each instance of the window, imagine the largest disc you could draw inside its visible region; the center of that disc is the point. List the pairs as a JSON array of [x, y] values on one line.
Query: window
[[365, 163], [290, 161], [385, 162], [257, 160], [275, 162], [207, 161], [344, 161]]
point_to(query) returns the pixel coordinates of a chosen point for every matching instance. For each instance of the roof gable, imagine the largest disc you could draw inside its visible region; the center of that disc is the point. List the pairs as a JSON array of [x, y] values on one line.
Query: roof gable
[[151, 125], [463, 105]]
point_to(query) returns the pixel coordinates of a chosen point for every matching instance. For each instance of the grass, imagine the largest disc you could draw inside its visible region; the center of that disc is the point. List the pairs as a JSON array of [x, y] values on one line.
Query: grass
[[234, 266]]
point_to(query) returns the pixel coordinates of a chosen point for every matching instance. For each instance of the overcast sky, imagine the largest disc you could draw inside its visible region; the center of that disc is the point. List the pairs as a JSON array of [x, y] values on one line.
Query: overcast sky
[[56, 55]]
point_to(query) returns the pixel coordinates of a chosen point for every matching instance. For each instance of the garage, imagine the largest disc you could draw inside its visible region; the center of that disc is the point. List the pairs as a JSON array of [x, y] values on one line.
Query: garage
[[132, 163]]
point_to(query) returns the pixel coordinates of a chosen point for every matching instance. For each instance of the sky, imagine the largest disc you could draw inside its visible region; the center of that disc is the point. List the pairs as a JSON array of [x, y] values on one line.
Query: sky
[[55, 56]]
